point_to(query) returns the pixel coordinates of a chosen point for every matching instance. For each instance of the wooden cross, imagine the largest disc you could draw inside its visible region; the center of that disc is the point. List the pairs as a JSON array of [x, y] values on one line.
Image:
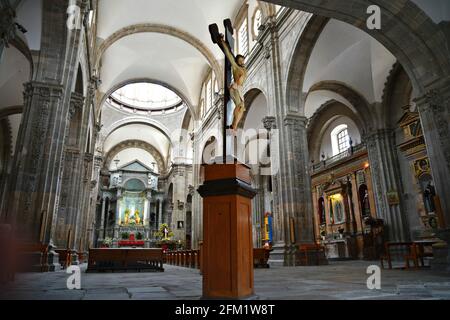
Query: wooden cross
[[228, 103]]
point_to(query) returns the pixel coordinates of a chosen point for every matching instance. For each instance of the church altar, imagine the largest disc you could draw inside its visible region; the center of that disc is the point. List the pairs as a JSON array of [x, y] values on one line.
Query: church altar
[[131, 242]]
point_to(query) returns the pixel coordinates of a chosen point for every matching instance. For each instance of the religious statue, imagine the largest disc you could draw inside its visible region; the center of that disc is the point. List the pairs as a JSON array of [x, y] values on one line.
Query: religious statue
[[366, 204], [237, 86], [127, 216], [166, 232], [137, 217], [428, 197]]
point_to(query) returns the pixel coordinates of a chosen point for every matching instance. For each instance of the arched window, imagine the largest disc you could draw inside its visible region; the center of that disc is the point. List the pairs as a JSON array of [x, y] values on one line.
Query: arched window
[[340, 140], [343, 140]]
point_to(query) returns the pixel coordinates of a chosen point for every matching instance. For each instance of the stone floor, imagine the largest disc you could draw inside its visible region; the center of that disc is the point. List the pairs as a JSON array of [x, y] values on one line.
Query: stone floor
[[339, 280]]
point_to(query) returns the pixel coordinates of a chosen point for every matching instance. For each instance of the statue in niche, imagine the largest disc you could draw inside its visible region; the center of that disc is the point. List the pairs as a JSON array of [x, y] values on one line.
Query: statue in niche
[[127, 216], [237, 86], [338, 211], [428, 197], [366, 204], [137, 217]]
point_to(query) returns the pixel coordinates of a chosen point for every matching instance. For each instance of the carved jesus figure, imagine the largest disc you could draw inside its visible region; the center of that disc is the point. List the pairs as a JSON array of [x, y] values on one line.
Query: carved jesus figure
[[237, 87]]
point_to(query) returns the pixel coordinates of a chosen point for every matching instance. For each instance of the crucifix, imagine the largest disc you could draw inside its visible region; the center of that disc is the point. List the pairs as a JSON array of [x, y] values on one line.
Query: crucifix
[[234, 78]]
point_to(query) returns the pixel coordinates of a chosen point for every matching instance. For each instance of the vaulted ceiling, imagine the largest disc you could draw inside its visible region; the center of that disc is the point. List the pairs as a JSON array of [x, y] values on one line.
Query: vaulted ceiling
[[170, 46]]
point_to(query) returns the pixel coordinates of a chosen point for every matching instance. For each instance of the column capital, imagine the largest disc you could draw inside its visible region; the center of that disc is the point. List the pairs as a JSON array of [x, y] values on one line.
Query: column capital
[[295, 120], [377, 134], [43, 89], [269, 123], [437, 95], [76, 103]]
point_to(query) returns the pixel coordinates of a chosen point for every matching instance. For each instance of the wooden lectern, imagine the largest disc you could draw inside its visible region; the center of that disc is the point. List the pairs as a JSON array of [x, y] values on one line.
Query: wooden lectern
[[227, 232]]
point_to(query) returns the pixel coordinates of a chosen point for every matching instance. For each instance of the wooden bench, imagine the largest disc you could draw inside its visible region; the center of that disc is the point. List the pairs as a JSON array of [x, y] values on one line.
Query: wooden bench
[[305, 251], [387, 256], [261, 258], [65, 257], [26, 261], [418, 253], [125, 260]]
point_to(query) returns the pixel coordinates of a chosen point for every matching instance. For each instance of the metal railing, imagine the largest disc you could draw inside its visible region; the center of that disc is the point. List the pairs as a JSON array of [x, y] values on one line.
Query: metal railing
[[343, 155]]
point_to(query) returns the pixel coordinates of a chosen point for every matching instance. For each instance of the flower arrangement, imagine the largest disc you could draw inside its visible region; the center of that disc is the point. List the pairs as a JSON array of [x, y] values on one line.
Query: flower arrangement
[[107, 242], [125, 235], [164, 232]]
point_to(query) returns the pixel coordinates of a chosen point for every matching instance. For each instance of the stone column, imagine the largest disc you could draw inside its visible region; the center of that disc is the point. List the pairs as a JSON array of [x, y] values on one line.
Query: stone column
[[434, 110], [102, 219], [149, 210], [277, 255], [258, 211], [160, 212], [386, 178], [69, 196], [38, 161], [295, 184]]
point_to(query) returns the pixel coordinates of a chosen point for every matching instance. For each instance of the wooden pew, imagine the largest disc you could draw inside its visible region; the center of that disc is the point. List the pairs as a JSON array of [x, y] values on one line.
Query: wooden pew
[[261, 257], [26, 261], [125, 259]]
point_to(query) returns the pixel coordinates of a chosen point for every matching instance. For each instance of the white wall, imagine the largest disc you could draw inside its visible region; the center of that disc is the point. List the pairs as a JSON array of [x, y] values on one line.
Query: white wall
[[326, 145]]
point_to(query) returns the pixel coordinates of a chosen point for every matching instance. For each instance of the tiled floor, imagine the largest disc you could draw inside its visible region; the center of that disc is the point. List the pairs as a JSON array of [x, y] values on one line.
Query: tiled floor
[[339, 280]]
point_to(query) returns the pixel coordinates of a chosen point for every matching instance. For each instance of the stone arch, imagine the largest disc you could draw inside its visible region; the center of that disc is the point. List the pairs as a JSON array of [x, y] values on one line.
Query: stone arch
[[355, 98], [163, 29], [299, 62], [209, 142], [135, 144], [322, 118], [249, 97], [79, 81], [135, 120], [9, 111], [418, 47], [397, 91], [142, 183]]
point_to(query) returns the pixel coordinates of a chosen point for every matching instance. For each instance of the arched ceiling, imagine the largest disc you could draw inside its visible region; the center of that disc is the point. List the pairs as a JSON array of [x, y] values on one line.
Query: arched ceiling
[[137, 131], [346, 54], [191, 16], [318, 98], [161, 56]]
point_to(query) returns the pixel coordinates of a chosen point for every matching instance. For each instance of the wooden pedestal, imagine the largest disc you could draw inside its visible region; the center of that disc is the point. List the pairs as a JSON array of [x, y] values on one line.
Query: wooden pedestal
[[227, 251]]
